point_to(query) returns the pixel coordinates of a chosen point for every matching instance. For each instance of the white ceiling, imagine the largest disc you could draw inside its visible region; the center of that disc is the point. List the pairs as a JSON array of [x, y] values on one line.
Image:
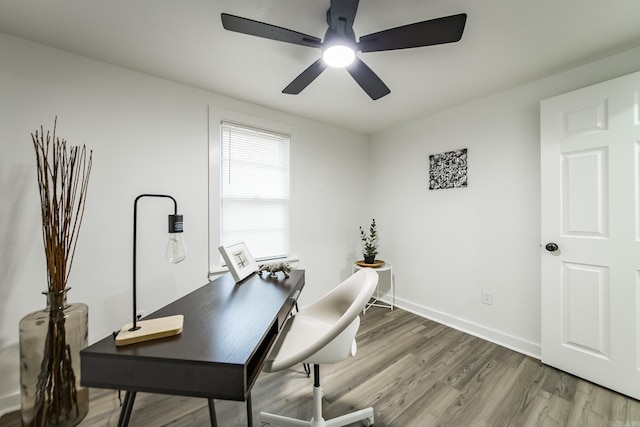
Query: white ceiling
[[506, 43]]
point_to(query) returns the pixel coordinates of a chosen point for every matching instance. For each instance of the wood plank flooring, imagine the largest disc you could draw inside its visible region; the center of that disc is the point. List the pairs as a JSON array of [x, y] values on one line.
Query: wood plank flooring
[[414, 372]]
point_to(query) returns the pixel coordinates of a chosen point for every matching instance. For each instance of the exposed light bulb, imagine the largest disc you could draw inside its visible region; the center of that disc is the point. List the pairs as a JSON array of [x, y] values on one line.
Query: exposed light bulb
[[338, 56], [175, 251]]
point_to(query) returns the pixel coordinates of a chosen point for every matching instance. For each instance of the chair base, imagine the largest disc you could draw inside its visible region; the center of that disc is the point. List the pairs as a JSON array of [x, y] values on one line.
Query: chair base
[[364, 415]]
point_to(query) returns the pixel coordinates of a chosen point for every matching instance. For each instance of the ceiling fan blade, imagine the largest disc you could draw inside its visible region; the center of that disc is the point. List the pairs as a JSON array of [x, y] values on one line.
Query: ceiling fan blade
[[305, 78], [367, 79], [267, 31], [448, 29], [342, 13]]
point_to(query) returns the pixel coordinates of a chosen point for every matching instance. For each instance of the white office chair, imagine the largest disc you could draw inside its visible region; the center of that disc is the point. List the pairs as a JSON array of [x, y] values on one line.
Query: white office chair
[[321, 333]]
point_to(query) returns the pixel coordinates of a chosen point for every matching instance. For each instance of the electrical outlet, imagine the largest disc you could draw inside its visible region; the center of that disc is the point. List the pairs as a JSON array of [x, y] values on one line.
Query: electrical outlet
[[487, 297], [140, 314]]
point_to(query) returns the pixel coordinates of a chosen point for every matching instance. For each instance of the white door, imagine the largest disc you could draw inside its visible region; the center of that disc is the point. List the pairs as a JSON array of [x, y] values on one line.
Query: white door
[[590, 165]]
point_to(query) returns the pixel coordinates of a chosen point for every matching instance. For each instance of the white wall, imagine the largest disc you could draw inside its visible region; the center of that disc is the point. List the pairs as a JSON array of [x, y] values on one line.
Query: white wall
[[446, 246], [147, 135]]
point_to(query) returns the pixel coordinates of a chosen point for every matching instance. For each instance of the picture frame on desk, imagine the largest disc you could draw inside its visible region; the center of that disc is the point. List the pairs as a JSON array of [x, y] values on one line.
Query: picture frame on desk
[[240, 262]]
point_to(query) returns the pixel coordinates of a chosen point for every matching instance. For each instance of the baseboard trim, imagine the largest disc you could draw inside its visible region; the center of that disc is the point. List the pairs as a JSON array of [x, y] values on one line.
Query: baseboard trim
[[513, 343], [9, 403]]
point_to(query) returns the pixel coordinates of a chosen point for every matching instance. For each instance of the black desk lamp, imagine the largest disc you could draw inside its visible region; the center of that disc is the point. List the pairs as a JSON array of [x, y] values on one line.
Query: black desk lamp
[[145, 330]]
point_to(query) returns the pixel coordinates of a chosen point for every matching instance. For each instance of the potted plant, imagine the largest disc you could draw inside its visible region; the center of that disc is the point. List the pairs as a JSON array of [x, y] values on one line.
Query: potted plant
[[369, 243]]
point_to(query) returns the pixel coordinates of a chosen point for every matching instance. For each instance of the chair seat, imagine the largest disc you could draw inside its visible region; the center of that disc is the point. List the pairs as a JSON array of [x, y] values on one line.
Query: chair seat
[[302, 333]]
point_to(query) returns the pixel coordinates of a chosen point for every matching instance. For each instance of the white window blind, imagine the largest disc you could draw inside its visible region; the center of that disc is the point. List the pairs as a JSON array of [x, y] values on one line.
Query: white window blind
[[254, 193]]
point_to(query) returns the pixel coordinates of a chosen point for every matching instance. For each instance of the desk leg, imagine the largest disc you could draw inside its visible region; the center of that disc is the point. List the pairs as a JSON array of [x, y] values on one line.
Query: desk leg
[[127, 407], [212, 413], [249, 411]]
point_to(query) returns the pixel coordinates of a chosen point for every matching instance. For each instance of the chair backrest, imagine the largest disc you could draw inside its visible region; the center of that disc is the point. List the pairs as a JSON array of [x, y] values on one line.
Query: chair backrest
[[318, 324], [344, 302]]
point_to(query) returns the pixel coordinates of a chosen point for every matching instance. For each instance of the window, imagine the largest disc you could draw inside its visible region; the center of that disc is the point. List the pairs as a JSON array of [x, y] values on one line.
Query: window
[[254, 189]]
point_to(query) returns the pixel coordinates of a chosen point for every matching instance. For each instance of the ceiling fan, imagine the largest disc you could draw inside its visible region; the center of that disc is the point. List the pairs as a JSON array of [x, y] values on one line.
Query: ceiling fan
[[339, 44]]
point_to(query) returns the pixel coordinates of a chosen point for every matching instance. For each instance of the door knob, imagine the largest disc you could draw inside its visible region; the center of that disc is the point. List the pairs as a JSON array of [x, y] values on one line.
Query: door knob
[[551, 247]]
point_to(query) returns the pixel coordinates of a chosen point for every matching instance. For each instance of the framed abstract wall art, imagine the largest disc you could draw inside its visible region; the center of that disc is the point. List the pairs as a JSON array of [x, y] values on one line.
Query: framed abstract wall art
[[448, 170]]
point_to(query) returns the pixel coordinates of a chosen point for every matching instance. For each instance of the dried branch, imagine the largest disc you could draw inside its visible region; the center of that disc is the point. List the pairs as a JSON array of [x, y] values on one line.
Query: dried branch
[[63, 180]]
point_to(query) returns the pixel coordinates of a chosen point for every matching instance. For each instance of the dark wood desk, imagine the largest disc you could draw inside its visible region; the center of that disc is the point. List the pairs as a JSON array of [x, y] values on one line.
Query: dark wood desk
[[228, 330]]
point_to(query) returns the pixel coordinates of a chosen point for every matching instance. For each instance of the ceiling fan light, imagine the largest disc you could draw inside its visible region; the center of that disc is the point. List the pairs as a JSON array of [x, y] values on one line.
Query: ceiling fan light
[[338, 56]]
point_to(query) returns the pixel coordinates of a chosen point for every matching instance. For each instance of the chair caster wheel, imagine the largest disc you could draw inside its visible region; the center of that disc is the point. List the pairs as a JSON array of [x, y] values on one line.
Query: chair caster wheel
[[368, 421]]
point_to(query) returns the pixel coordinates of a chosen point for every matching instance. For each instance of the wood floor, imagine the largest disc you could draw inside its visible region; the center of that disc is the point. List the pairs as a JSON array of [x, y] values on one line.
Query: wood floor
[[414, 372]]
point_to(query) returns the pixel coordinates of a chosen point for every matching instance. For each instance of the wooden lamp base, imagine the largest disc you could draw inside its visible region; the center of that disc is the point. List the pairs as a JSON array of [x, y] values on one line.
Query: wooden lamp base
[[150, 330]]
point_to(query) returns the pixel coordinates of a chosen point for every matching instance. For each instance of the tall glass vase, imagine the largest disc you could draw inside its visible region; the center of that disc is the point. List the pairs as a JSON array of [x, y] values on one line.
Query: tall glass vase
[[50, 344]]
